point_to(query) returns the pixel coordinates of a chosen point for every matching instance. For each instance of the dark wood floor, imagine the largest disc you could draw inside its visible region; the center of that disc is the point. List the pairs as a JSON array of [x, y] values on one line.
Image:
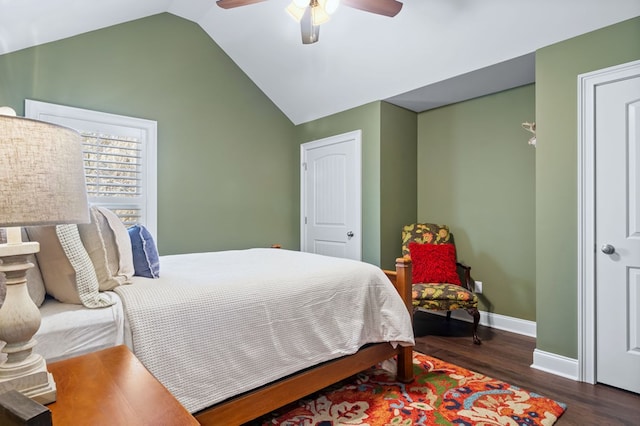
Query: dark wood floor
[[508, 356]]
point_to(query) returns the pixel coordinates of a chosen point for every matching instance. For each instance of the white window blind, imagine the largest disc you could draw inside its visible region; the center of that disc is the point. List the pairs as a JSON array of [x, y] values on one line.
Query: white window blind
[[119, 159], [113, 169]]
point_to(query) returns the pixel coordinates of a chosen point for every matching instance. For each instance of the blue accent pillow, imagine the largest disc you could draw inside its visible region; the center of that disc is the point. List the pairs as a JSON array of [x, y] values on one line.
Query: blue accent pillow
[[146, 262]]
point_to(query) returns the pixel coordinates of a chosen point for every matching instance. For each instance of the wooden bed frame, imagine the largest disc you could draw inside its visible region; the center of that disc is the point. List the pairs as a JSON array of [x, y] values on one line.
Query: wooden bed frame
[[253, 404]]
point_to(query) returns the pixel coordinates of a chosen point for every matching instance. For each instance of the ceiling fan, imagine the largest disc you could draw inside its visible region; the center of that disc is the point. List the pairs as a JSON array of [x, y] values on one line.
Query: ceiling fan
[[312, 13]]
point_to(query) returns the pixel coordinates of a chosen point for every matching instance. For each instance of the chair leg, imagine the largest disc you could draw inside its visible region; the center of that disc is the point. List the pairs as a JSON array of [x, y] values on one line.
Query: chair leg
[[476, 320]]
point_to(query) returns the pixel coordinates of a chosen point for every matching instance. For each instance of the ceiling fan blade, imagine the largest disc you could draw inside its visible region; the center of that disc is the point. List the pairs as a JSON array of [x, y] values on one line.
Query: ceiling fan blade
[[310, 33], [379, 7], [230, 4]]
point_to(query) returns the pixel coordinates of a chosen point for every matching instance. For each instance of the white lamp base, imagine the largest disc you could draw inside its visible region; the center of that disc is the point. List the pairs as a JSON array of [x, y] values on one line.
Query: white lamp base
[[37, 385], [23, 370]]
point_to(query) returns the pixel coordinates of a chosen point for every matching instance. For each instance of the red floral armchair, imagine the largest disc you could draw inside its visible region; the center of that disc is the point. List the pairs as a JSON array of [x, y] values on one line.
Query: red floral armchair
[[439, 281]]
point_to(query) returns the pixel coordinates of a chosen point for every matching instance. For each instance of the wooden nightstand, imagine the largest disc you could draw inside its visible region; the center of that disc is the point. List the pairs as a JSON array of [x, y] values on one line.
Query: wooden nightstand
[[112, 387]]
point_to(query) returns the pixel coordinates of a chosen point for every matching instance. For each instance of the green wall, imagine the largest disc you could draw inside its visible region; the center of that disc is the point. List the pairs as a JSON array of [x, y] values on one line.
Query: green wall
[[398, 184], [557, 68], [222, 183], [476, 173]]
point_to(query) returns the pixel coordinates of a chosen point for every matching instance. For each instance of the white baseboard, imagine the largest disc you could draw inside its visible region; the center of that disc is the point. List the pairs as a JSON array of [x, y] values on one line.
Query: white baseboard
[[500, 322], [555, 364], [545, 361]]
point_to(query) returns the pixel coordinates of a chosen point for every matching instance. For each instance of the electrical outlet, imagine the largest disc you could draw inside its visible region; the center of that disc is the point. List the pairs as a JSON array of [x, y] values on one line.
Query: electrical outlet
[[478, 287]]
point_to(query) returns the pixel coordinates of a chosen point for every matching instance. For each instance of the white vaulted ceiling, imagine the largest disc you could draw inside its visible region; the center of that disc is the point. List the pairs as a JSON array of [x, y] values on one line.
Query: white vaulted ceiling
[[432, 53]]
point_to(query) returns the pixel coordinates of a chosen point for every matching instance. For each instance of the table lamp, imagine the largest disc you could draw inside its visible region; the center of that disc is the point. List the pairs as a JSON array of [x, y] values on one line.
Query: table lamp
[[41, 183]]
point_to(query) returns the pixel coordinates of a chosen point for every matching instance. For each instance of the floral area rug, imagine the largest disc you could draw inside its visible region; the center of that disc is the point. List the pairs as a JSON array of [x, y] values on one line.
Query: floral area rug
[[441, 394]]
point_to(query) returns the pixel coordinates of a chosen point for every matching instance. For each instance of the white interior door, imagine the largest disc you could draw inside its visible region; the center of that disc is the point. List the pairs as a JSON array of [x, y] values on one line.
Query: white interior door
[[331, 196], [617, 239]]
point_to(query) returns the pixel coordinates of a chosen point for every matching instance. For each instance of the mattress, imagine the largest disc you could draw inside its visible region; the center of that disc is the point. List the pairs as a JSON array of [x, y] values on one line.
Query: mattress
[[69, 330]]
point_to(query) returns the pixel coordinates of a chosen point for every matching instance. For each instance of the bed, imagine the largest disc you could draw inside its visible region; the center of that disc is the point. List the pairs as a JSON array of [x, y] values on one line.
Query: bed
[[236, 334]]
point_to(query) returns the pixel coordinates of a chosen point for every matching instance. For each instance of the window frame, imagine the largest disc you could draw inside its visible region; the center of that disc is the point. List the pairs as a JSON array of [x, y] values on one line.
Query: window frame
[[107, 123]]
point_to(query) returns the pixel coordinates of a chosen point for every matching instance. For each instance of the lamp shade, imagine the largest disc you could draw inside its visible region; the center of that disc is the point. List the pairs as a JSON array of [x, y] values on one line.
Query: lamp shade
[[41, 174], [318, 15], [295, 11]]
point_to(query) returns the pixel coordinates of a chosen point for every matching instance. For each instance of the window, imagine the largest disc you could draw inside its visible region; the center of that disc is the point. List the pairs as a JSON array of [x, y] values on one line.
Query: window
[[119, 159]]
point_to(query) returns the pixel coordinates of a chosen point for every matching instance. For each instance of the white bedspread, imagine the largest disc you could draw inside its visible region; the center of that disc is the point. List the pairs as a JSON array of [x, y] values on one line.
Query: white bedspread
[[218, 324]]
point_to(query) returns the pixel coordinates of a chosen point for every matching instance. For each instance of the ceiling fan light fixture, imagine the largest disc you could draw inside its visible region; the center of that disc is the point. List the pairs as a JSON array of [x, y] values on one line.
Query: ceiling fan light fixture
[[312, 13], [295, 11], [308, 31], [318, 15], [312, 36]]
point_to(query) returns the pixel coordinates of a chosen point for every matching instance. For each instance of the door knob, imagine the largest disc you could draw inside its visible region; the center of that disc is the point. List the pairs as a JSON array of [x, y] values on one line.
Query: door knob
[[350, 234], [608, 249]]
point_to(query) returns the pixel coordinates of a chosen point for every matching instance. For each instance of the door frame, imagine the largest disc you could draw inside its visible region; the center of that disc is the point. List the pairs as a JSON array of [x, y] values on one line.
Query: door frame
[[356, 136], [587, 84]]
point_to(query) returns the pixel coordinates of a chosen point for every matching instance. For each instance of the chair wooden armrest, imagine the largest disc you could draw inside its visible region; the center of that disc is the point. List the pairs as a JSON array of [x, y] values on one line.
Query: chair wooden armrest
[[463, 265], [467, 282]]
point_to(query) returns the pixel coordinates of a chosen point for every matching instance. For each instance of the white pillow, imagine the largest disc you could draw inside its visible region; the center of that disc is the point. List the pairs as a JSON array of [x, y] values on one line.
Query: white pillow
[[66, 268], [110, 253]]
